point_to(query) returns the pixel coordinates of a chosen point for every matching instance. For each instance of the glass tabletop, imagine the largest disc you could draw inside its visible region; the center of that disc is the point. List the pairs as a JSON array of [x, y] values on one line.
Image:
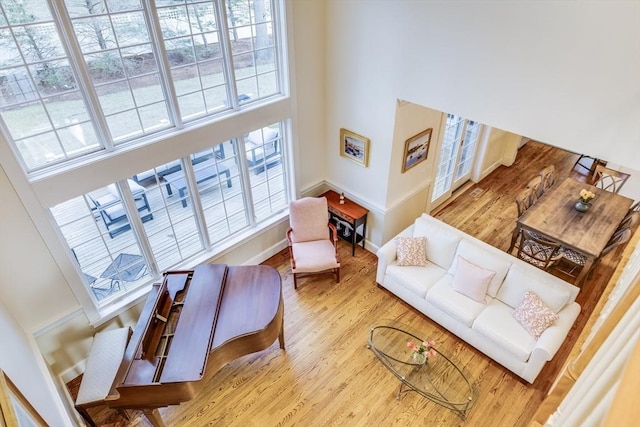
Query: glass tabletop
[[438, 378], [125, 267]]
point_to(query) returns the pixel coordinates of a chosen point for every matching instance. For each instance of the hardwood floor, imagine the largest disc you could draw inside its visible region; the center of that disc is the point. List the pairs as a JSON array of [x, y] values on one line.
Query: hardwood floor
[[326, 376]]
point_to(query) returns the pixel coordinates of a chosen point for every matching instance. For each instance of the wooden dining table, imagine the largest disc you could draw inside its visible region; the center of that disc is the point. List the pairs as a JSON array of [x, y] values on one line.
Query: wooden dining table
[[555, 217]]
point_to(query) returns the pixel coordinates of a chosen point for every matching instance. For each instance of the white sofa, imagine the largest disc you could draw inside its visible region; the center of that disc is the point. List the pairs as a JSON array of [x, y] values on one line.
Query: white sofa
[[490, 326]]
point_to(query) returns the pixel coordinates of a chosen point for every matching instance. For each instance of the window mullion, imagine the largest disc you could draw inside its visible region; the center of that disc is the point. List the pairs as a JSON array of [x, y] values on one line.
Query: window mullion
[[78, 65], [155, 34], [192, 185], [245, 180], [225, 43], [136, 225]]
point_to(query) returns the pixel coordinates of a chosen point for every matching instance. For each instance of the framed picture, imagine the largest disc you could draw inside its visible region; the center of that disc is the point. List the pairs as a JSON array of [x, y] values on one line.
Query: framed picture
[[354, 147], [416, 149]]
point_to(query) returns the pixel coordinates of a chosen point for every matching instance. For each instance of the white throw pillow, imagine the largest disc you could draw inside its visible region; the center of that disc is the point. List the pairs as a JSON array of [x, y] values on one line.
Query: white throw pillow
[[411, 251], [471, 280], [534, 315]]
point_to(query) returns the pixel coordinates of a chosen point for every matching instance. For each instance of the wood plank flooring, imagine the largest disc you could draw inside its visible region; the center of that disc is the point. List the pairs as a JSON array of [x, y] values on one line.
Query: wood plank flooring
[[327, 376]]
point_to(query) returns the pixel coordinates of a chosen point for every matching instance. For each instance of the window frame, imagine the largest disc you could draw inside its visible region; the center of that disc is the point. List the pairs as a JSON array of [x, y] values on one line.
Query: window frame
[[43, 189]]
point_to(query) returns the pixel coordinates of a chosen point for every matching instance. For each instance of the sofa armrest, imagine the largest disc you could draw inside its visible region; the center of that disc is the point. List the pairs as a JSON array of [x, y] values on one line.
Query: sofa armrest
[[551, 340], [387, 253]]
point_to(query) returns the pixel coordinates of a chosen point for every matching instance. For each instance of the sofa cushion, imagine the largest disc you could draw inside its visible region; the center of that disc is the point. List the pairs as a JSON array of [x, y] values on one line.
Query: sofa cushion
[[519, 279], [471, 280], [496, 261], [441, 242], [533, 315], [417, 279], [456, 305], [496, 323], [411, 251]]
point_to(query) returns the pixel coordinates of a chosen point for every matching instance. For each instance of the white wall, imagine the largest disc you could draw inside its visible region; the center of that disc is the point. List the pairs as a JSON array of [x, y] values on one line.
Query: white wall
[[21, 362], [563, 73], [309, 92]]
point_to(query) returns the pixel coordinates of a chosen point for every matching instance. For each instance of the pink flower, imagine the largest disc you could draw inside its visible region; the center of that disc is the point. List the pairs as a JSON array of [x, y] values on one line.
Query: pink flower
[[432, 352], [432, 343], [410, 344]]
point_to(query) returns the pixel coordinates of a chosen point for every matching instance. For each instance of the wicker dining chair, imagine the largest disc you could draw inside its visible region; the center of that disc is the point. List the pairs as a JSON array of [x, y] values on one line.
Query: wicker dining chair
[[538, 251]]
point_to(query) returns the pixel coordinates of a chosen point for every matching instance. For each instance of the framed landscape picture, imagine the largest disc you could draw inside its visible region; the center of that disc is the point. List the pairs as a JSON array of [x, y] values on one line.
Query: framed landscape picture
[[416, 149], [354, 147]]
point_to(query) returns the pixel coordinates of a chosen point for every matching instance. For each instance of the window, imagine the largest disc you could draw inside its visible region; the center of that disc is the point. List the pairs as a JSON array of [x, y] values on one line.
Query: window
[[79, 77], [84, 85], [124, 234], [43, 112], [122, 65]]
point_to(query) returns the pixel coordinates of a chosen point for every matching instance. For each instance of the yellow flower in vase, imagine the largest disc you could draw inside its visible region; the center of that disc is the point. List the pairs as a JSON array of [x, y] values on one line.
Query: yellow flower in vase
[[586, 196]]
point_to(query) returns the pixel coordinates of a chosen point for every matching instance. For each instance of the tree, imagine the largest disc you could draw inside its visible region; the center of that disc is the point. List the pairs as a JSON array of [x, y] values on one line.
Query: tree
[[38, 42]]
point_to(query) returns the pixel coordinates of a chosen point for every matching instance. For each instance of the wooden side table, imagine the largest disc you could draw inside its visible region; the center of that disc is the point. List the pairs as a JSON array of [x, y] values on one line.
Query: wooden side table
[[347, 217]]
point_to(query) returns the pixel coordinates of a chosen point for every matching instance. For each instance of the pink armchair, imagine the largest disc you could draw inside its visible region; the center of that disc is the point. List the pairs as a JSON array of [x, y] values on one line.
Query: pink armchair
[[312, 239]]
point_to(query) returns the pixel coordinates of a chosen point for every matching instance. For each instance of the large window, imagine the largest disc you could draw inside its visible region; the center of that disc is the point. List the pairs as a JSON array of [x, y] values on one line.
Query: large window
[[124, 234], [80, 76], [85, 84]]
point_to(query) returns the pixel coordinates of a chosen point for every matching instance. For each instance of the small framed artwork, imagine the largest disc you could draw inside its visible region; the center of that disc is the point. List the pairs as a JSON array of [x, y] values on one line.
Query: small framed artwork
[[416, 149], [354, 147]]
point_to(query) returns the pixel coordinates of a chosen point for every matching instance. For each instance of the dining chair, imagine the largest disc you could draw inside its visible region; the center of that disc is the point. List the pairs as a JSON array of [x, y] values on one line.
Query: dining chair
[[548, 175], [576, 261], [588, 163], [524, 200], [313, 240], [629, 221], [536, 186], [538, 251], [609, 179]]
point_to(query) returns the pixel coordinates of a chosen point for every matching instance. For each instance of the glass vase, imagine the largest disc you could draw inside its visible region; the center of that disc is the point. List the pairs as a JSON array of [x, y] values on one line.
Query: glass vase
[[419, 359]]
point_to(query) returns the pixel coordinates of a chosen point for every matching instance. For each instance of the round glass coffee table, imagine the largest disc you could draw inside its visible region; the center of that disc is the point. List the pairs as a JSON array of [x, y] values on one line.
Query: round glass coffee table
[[438, 379]]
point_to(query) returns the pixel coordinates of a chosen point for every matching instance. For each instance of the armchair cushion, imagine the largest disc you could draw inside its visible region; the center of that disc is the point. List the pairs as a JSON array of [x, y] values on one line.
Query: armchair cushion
[[314, 256], [309, 219]]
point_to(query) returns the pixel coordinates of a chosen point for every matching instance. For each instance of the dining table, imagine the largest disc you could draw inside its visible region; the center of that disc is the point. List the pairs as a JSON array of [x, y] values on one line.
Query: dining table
[[555, 217]]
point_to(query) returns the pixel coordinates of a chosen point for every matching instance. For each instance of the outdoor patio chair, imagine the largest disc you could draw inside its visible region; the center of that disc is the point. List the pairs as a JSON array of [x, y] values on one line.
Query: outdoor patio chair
[[263, 148], [112, 211]]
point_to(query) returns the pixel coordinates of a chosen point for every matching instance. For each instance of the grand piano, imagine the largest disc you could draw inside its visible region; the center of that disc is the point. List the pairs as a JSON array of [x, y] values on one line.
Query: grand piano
[[192, 325]]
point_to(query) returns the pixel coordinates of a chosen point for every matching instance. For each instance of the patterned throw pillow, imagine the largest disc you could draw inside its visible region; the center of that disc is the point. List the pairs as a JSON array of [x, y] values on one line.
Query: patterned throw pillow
[[534, 315], [411, 251]]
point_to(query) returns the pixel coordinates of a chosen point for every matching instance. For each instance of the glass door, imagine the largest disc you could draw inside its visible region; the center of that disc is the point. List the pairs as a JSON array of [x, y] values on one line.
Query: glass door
[[456, 156]]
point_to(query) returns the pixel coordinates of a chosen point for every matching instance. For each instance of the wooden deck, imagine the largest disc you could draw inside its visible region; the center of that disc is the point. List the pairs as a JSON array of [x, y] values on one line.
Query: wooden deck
[[173, 231]]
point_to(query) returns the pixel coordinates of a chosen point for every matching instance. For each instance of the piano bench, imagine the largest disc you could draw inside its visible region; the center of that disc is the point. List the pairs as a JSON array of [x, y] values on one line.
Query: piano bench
[[105, 356]]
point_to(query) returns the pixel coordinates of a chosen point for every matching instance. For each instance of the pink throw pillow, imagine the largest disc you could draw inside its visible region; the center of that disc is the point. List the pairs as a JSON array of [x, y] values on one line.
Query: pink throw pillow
[[411, 251], [471, 280], [534, 315]]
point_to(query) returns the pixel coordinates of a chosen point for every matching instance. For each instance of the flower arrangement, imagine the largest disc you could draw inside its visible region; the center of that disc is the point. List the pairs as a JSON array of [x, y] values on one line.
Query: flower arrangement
[[586, 196], [425, 348]]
